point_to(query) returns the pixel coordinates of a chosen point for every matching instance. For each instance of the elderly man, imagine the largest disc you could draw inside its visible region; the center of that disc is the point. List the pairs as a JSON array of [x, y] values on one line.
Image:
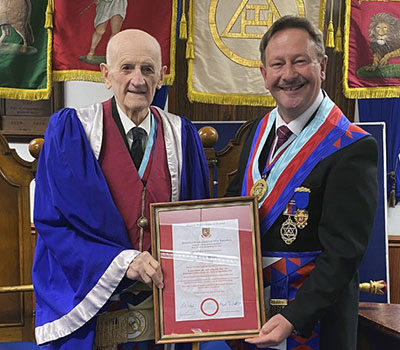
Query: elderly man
[[99, 170], [314, 174]]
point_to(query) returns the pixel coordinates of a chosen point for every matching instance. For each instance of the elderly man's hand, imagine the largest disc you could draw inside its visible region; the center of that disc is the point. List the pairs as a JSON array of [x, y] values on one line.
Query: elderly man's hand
[[145, 269], [276, 330]]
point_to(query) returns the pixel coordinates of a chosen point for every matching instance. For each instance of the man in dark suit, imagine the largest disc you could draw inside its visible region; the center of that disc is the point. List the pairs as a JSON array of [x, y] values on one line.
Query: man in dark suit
[[314, 174]]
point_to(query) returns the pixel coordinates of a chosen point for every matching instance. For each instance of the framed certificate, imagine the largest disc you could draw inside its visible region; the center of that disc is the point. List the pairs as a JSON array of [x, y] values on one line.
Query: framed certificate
[[209, 251]]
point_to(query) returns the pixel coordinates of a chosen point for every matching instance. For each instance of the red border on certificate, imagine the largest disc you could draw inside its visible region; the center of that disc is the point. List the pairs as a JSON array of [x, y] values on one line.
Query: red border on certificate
[[243, 210]]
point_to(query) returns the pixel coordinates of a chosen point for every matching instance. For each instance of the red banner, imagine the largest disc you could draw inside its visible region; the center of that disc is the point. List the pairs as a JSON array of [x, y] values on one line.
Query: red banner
[[372, 49], [82, 29]]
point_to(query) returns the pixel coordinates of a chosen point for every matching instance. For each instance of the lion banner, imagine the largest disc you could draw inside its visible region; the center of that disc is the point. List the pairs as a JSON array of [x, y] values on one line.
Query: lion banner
[[224, 35], [25, 49], [82, 29], [372, 49]]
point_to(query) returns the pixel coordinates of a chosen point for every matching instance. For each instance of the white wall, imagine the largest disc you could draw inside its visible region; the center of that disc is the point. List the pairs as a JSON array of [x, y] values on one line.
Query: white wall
[[394, 220], [23, 151], [82, 93]]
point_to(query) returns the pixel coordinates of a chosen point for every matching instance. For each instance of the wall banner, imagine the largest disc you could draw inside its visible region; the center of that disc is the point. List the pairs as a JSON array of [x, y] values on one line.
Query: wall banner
[[25, 49], [224, 62], [82, 29], [372, 49]]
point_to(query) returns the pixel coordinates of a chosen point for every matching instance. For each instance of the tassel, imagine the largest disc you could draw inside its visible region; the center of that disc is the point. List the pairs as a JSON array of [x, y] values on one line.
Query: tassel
[[183, 23], [338, 36], [190, 49], [189, 43], [338, 41], [330, 34], [49, 14], [392, 198], [374, 287], [183, 27], [393, 186], [330, 39]]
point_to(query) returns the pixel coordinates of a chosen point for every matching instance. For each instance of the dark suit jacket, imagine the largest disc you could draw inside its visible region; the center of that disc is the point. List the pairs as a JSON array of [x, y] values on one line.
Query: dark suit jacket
[[341, 211]]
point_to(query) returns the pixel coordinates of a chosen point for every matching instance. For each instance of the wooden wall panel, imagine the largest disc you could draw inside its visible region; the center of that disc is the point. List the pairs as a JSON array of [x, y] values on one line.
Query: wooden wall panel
[[9, 270], [16, 309], [21, 120], [394, 269], [178, 102]]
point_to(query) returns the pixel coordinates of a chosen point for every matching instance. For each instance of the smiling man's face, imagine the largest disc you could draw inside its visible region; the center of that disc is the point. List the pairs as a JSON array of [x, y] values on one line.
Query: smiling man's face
[[292, 72], [133, 71]]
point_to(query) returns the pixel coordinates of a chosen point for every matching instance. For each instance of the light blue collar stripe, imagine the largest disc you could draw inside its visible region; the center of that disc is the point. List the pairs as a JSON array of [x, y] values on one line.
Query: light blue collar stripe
[[321, 116], [256, 169], [324, 149], [149, 146]]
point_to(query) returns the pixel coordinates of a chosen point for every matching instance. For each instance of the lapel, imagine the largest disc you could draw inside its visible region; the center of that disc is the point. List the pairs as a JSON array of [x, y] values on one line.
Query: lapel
[[117, 120]]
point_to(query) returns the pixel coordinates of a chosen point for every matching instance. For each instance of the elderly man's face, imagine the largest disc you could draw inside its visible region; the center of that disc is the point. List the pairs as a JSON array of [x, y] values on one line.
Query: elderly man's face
[[133, 73], [292, 72]]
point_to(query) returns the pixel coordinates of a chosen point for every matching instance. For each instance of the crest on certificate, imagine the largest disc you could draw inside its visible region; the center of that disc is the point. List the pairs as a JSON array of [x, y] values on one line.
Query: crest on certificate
[[206, 232]]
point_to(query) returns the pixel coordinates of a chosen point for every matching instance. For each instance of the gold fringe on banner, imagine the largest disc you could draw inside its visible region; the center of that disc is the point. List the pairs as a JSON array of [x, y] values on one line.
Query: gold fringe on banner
[[338, 36], [257, 99], [224, 99], [183, 23], [38, 94], [362, 92], [83, 75], [49, 64], [330, 37], [250, 100], [169, 78], [371, 92], [96, 77], [25, 94]]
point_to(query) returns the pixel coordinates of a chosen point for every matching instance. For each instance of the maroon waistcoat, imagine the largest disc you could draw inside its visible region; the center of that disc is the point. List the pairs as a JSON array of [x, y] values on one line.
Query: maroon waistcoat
[[123, 179]]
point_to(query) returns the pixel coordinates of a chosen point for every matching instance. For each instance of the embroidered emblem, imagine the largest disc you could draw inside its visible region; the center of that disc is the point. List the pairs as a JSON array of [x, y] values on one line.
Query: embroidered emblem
[[136, 324]]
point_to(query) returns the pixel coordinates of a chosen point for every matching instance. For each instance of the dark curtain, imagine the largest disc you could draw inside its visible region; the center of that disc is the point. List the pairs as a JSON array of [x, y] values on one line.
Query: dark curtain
[[386, 110]]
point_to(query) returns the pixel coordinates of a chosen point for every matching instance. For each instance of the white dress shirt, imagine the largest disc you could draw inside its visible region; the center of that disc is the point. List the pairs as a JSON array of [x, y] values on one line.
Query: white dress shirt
[[296, 125], [128, 124]]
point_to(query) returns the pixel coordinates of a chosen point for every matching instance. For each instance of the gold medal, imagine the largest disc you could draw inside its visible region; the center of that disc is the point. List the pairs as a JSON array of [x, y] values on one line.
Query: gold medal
[[259, 189], [288, 231], [301, 218]]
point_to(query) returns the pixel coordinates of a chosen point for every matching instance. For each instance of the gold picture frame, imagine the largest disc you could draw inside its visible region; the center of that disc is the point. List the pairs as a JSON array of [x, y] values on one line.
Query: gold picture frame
[[208, 251]]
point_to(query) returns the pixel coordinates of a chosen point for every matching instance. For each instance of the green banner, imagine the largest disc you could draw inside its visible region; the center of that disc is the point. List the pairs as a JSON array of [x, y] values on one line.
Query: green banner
[[25, 49]]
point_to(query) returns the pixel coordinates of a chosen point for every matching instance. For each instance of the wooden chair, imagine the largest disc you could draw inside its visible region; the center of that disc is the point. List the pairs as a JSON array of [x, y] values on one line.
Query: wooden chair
[[222, 164], [17, 244]]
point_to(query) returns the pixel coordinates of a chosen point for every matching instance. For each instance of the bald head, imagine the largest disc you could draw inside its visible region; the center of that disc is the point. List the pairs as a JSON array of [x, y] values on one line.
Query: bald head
[[133, 71], [136, 38]]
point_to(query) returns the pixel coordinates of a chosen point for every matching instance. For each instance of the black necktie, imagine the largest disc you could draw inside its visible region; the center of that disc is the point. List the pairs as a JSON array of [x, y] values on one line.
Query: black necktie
[[139, 135]]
